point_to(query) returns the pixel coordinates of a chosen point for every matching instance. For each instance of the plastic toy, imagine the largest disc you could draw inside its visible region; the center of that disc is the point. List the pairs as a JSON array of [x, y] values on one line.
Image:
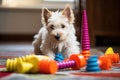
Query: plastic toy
[[106, 60], [18, 63], [23, 67], [105, 63], [109, 51], [114, 57], [32, 64], [66, 64], [76, 61], [43, 64], [59, 57], [85, 41], [92, 64], [48, 66], [86, 53]]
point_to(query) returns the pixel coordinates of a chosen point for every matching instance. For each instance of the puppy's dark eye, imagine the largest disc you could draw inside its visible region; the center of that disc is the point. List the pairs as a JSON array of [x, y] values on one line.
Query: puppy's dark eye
[[63, 26], [52, 27]]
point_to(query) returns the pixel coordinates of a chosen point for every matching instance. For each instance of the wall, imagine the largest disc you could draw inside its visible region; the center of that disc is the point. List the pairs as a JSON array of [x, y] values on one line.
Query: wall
[[19, 21], [16, 18], [22, 22], [104, 19]]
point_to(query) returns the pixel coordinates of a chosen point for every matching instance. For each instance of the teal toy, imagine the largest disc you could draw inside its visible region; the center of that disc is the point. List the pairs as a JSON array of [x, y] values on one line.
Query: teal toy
[[59, 57], [92, 64]]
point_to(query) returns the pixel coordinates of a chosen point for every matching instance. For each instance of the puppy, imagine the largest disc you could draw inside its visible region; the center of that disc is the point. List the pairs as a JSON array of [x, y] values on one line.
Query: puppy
[[57, 34]]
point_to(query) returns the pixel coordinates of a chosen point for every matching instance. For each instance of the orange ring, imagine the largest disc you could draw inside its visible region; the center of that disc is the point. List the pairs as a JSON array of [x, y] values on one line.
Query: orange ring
[[48, 66], [79, 60], [86, 53], [52, 67], [105, 63], [114, 57]]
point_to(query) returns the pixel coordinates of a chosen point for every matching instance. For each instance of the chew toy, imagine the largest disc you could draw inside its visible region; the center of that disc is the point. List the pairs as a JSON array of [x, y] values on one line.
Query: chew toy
[[59, 57], [85, 41], [105, 63], [92, 64], [76, 61], [48, 66], [13, 64], [109, 51], [28, 64], [112, 55]]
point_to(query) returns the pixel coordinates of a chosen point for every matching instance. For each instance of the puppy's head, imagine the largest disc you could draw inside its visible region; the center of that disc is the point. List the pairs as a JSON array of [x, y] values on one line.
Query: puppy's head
[[59, 24]]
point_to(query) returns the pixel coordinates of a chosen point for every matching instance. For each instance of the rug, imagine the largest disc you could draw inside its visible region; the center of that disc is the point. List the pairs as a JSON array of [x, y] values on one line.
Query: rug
[[81, 74]]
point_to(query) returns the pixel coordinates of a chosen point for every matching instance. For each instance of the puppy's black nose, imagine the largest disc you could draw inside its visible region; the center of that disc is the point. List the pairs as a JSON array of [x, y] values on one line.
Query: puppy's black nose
[[57, 37]]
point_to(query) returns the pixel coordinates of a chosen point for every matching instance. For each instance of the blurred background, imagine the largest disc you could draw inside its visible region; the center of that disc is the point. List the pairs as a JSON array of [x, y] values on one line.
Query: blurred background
[[21, 19]]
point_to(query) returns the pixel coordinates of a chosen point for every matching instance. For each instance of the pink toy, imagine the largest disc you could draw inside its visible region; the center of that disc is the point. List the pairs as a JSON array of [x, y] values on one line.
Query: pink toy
[[85, 41], [66, 64], [76, 61]]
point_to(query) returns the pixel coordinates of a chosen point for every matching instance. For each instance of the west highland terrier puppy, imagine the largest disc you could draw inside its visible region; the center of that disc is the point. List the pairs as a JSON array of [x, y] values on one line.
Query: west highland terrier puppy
[[57, 34]]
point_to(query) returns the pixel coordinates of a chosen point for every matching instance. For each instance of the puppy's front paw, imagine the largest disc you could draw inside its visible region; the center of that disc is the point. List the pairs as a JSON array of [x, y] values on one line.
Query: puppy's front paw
[[37, 51]]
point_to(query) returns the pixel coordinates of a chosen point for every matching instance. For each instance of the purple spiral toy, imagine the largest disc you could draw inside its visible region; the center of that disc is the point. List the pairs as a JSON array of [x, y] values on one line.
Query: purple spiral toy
[[66, 64], [85, 32]]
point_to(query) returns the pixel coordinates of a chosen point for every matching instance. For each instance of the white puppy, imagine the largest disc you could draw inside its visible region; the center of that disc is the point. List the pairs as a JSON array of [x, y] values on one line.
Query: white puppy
[[57, 34]]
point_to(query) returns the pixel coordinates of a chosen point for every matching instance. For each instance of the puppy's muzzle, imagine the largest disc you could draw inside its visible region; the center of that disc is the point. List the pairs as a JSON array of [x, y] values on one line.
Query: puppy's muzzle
[[57, 37]]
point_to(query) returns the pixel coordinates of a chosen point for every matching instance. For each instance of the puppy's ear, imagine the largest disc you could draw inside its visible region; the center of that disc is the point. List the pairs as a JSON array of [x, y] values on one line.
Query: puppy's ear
[[45, 15], [68, 12]]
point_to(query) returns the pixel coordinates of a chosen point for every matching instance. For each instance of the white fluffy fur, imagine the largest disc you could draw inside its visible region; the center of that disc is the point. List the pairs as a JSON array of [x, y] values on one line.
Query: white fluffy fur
[[45, 41]]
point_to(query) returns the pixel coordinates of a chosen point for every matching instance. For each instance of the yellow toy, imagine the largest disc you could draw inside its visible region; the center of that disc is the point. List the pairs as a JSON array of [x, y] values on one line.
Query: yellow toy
[[112, 55], [25, 64], [109, 51]]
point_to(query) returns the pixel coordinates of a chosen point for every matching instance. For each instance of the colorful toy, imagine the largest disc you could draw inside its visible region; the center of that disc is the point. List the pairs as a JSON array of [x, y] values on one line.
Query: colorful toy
[[85, 41], [108, 58], [92, 64], [32, 64], [104, 63], [59, 57], [113, 56], [48, 66], [31, 60], [79, 60], [23, 67], [66, 64], [43, 64], [76, 61], [109, 51]]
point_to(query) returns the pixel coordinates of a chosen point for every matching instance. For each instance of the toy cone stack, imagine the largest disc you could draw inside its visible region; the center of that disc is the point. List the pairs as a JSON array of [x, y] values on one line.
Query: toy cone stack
[[92, 64], [85, 41]]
